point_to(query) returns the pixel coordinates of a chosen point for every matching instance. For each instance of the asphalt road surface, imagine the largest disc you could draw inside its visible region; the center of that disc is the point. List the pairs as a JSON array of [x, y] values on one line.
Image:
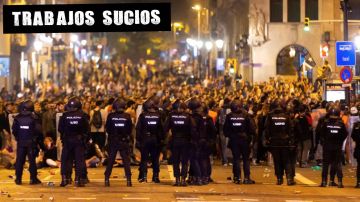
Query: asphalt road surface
[[222, 189]]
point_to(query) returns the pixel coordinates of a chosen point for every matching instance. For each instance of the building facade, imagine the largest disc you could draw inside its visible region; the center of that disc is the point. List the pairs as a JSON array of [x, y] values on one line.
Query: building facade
[[280, 45]]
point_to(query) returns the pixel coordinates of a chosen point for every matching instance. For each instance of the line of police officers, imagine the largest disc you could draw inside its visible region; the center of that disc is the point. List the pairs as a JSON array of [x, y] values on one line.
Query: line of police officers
[[193, 138]]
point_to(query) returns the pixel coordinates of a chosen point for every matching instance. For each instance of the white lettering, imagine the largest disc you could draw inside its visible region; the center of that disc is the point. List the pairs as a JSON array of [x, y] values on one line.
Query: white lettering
[[16, 18], [24, 127], [26, 20], [128, 17], [61, 19], [107, 19], [155, 19], [49, 18], [90, 21], [37, 19], [145, 17]]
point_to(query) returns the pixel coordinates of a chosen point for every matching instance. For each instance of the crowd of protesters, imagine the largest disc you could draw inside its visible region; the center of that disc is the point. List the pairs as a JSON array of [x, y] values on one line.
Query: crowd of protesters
[[99, 84]]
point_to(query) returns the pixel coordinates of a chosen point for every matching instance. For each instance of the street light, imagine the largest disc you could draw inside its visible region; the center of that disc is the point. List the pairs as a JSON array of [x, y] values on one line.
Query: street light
[[191, 42], [196, 7], [83, 42], [208, 45], [219, 43], [199, 44], [74, 38]]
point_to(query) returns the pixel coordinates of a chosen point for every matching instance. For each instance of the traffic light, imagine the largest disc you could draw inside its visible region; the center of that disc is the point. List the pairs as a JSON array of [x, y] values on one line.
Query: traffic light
[[307, 24]]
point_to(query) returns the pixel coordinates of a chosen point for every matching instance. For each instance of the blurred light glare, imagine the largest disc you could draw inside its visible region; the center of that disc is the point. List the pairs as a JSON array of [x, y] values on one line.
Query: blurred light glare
[[184, 58], [83, 42], [74, 38], [196, 7], [38, 45], [99, 46], [199, 44], [357, 42], [208, 45], [292, 52], [191, 42], [219, 43]]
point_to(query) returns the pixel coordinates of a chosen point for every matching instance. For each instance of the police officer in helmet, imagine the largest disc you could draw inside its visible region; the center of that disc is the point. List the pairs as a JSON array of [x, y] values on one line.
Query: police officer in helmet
[[118, 127], [179, 122], [26, 130], [149, 136], [239, 129], [280, 139], [333, 134], [202, 136], [74, 129]]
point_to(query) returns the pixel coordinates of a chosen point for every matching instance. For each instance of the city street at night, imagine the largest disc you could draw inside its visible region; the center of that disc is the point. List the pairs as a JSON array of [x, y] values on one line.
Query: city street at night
[[180, 100]]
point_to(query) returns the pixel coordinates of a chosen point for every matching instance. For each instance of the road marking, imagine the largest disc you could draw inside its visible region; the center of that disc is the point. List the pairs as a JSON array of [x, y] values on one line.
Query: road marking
[[135, 198], [171, 172], [186, 198], [88, 199], [27, 199], [304, 180]]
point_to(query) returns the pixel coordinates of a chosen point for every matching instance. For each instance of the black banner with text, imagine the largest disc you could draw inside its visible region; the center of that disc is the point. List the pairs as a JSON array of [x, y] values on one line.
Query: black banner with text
[[61, 18]]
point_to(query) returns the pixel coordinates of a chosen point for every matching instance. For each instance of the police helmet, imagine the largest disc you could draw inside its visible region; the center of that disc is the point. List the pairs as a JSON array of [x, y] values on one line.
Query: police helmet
[[74, 104], [26, 106], [194, 104], [334, 112], [149, 105], [236, 105], [275, 104], [119, 104]]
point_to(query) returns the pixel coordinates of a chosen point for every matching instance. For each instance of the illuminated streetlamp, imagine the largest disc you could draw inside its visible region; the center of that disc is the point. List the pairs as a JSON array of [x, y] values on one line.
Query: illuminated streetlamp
[[199, 44], [74, 38], [219, 43], [83, 42], [208, 45]]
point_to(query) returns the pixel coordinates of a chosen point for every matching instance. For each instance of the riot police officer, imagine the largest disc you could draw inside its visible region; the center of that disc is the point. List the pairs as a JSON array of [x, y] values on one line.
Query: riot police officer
[[118, 127], [73, 128], [149, 136], [202, 138], [239, 129], [333, 134], [280, 139], [179, 123], [356, 137], [27, 133]]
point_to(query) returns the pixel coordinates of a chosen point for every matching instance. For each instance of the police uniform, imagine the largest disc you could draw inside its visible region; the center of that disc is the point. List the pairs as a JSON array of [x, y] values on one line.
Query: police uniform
[[179, 123], [356, 137], [240, 131], [26, 130], [202, 139], [280, 139], [333, 134], [118, 127], [149, 137], [74, 128]]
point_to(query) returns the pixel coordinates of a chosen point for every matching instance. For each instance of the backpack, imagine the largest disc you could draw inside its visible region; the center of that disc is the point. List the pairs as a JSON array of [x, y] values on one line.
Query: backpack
[[97, 119]]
